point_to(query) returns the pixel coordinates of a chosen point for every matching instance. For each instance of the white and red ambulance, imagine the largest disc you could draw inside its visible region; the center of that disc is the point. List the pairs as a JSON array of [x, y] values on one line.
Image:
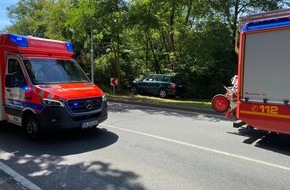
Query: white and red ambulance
[[42, 87]]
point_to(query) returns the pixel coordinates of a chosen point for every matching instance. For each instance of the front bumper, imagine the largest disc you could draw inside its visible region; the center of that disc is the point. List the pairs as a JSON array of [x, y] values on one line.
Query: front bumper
[[54, 118]]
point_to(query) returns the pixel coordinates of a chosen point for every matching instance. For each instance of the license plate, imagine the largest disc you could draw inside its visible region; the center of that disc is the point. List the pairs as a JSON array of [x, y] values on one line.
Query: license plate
[[89, 124]]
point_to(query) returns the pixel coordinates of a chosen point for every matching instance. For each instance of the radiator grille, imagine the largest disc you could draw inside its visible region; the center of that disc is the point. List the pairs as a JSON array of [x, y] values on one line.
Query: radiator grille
[[85, 105]]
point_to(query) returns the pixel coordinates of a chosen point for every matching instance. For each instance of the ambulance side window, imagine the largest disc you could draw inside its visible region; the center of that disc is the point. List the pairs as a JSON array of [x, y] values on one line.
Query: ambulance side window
[[15, 70]]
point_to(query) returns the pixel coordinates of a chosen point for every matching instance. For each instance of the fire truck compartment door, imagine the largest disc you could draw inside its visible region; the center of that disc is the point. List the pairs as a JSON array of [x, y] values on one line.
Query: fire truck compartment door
[[266, 65]]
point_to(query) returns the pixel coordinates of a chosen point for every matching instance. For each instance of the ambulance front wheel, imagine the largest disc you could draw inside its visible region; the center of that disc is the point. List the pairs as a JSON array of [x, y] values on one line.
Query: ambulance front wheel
[[33, 128]]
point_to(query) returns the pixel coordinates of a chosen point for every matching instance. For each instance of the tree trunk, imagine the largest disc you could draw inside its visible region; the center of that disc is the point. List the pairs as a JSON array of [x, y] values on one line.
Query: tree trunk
[[171, 35], [155, 62], [147, 48]]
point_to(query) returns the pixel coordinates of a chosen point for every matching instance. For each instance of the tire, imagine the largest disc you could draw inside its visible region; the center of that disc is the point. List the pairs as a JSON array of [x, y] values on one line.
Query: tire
[[162, 93], [32, 128], [134, 90]]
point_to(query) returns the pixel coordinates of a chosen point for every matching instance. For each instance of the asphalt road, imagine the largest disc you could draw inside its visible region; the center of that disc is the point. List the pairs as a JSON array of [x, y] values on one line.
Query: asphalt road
[[150, 148]]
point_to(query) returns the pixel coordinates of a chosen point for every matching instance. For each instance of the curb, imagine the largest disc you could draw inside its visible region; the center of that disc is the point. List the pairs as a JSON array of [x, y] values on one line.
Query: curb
[[7, 182], [172, 107]]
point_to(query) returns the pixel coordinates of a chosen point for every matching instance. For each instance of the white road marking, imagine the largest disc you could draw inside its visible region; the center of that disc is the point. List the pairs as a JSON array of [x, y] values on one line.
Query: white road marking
[[22, 181], [202, 148]]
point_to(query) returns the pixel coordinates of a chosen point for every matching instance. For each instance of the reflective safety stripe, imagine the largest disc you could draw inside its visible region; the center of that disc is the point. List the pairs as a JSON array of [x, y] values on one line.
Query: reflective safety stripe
[[41, 93], [50, 96], [265, 114], [45, 94]]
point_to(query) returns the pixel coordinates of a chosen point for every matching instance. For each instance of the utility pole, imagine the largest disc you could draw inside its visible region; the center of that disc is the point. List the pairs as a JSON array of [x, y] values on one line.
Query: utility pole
[[92, 57]]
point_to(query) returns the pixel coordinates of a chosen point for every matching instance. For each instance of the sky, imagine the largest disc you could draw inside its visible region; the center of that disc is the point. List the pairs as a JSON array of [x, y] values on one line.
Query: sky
[[4, 20]]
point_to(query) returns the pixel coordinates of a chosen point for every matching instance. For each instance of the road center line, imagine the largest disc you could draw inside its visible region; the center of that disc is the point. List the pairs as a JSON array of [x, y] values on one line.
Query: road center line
[[201, 148], [22, 181]]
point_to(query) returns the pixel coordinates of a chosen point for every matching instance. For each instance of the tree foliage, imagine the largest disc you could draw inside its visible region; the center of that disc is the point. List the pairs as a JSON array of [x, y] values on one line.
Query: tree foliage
[[190, 37]]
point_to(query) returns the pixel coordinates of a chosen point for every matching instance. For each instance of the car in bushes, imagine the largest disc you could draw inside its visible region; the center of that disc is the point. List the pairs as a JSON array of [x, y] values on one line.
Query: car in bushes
[[163, 85]]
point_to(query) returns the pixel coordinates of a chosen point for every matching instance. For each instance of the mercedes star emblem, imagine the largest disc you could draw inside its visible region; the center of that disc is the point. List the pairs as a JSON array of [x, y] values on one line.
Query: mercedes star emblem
[[89, 104]]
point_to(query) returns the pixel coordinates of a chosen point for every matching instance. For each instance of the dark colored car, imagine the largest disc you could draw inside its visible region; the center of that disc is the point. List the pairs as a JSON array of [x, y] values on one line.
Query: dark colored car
[[162, 85]]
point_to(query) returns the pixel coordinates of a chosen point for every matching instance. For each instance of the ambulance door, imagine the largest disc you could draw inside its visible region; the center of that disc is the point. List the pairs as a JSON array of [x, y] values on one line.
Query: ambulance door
[[14, 90]]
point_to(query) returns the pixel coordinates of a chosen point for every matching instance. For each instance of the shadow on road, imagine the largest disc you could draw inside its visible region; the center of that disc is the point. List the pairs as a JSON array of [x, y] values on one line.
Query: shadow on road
[[270, 141], [13, 138], [96, 175], [45, 163]]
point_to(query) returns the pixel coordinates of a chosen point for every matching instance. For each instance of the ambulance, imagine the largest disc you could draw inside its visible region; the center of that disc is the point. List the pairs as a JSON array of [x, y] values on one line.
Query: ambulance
[[43, 88]]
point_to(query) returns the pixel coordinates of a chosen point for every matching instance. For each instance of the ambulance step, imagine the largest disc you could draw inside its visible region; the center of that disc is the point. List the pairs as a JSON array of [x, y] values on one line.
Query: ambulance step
[[238, 124]]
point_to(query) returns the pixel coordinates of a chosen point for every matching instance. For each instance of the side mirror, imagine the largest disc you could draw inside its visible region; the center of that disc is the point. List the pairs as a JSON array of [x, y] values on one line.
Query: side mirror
[[9, 80]]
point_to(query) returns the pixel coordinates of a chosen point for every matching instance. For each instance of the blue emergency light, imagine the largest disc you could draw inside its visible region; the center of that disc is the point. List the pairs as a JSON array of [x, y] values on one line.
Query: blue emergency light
[[23, 41], [26, 88], [265, 24], [69, 47], [18, 40]]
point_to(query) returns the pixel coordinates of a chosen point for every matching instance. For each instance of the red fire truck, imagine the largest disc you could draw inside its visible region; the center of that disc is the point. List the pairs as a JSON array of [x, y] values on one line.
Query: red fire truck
[[260, 95], [43, 88]]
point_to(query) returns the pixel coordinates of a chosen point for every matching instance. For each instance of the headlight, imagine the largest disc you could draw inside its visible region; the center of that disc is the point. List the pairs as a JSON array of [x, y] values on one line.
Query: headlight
[[104, 98], [54, 103]]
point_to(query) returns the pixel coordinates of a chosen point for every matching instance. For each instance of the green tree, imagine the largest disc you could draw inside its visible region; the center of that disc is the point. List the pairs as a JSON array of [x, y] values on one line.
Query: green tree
[[206, 62], [106, 19], [145, 26], [29, 17], [231, 10], [191, 37], [56, 28]]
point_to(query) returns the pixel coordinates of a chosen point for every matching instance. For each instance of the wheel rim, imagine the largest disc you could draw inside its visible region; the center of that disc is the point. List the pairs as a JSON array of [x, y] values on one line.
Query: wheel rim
[[32, 128], [162, 93], [220, 103]]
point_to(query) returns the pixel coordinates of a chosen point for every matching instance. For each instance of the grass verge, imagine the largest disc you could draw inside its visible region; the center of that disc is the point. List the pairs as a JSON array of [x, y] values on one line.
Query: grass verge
[[205, 104]]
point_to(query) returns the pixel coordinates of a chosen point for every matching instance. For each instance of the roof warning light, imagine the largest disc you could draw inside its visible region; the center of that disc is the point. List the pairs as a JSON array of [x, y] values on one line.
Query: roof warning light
[[18, 40]]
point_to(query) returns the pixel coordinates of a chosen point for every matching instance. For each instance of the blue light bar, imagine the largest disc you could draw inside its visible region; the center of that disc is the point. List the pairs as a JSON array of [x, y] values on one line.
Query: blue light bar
[[18, 40], [69, 47], [265, 24]]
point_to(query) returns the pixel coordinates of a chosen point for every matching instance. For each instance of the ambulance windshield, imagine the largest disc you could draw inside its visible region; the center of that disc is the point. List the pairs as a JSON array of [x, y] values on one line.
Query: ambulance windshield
[[51, 71]]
